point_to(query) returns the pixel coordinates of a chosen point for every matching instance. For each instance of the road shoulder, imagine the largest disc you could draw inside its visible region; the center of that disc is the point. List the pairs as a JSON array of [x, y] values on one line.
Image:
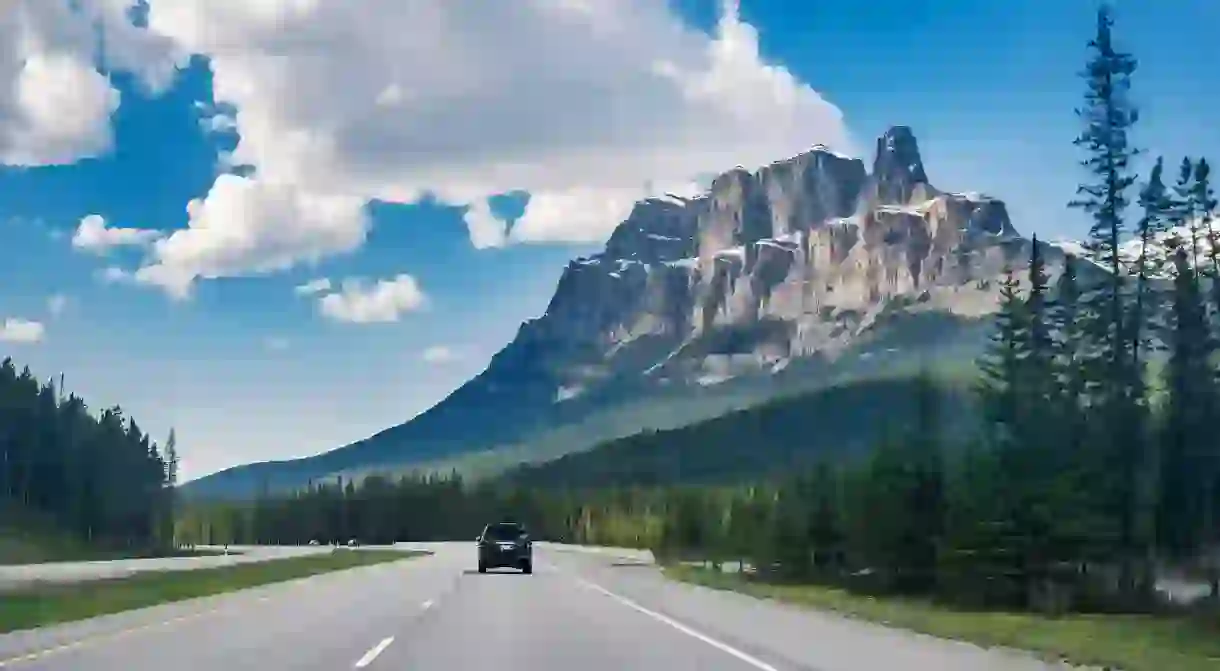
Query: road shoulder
[[1131, 643]]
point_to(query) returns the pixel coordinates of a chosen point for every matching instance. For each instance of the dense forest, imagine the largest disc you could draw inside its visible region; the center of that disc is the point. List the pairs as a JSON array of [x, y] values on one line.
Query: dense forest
[[787, 434], [96, 478], [1094, 461]]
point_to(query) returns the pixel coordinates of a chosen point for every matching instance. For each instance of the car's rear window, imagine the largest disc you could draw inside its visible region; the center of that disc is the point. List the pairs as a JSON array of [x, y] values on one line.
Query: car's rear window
[[504, 532]]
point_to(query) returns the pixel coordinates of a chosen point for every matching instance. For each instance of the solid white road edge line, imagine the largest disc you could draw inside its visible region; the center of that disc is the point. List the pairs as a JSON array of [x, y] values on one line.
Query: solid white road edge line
[[372, 654], [723, 647]]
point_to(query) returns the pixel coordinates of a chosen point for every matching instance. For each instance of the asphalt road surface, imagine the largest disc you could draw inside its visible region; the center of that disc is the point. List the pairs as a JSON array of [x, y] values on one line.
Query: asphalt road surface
[[578, 611]]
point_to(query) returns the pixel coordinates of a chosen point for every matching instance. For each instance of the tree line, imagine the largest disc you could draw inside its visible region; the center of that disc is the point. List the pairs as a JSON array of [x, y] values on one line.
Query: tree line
[[1094, 461], [98, 478]]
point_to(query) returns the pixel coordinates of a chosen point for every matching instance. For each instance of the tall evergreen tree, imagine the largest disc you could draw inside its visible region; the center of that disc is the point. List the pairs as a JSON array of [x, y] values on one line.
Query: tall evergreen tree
[[1150, 264], [1183, 214], [1037, 370], [1069, 371], [1185, 427], [1108, 116], [1000, 367], [1204, 203], [927, 493]]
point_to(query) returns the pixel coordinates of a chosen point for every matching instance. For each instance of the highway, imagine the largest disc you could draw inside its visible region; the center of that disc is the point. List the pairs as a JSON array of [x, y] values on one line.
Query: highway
[[579, 610]]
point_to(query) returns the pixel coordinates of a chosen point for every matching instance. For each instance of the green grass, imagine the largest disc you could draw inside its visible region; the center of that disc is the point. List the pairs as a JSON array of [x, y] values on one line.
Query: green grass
[[1129, 642], [42, 605]]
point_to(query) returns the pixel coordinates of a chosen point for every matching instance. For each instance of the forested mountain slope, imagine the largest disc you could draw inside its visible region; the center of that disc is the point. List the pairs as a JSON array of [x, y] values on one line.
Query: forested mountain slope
[[774, 439]]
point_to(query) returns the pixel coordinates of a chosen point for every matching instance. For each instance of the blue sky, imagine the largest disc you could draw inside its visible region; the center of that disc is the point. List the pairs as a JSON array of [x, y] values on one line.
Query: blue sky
[[246, 368]]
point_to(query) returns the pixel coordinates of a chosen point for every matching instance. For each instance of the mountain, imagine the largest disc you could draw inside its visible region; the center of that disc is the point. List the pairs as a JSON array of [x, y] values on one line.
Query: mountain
[[1161, 247], [805, 273]]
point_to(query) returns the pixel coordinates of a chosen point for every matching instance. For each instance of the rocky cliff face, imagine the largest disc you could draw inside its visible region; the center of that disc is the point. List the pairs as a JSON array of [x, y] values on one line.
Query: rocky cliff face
[[797, 259]]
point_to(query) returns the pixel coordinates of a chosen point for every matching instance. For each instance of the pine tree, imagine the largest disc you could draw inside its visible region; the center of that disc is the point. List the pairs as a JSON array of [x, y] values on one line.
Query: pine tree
[[999, 386], [1108, 116], [1037, 370], [1190, 400], [1153, 224], [825, 525], [1183, 216], [1204, 204], [1070, 382], [927, 495]]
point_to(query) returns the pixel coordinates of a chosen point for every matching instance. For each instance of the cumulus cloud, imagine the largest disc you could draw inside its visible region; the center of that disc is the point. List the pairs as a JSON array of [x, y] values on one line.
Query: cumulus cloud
[[587, 106], [486, 230], [56, 304], [93, 235], [440, 354], [18, 330], [579, 104], [384, 301], [55, 106], [318, 286], [249, 227], [114, 275]]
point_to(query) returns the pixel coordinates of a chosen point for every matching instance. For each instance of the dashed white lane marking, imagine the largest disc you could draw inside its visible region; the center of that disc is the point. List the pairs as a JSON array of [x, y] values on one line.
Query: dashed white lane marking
[[427, 604], [374, 652], [719, 645]]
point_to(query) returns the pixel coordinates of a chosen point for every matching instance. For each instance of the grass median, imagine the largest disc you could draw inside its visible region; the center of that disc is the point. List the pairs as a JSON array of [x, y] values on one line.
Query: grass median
[[44, 604], [1128, 642]]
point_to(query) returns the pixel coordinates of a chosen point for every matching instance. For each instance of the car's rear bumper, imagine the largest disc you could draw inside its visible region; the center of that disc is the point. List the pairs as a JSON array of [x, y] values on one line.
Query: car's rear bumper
[[501, 559]]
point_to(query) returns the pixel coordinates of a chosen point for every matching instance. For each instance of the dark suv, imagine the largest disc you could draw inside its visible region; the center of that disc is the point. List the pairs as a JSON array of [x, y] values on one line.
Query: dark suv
[[505, 545]]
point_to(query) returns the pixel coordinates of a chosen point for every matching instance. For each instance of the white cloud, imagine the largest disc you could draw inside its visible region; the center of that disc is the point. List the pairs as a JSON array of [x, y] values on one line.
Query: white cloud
[[18, 330], [384, 301], [56, 304], [249, 227], [440, 354], [579, 104], [114, 275], [95, 236], [318, 286], [55, 106], [486, 230], [219, 123]]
